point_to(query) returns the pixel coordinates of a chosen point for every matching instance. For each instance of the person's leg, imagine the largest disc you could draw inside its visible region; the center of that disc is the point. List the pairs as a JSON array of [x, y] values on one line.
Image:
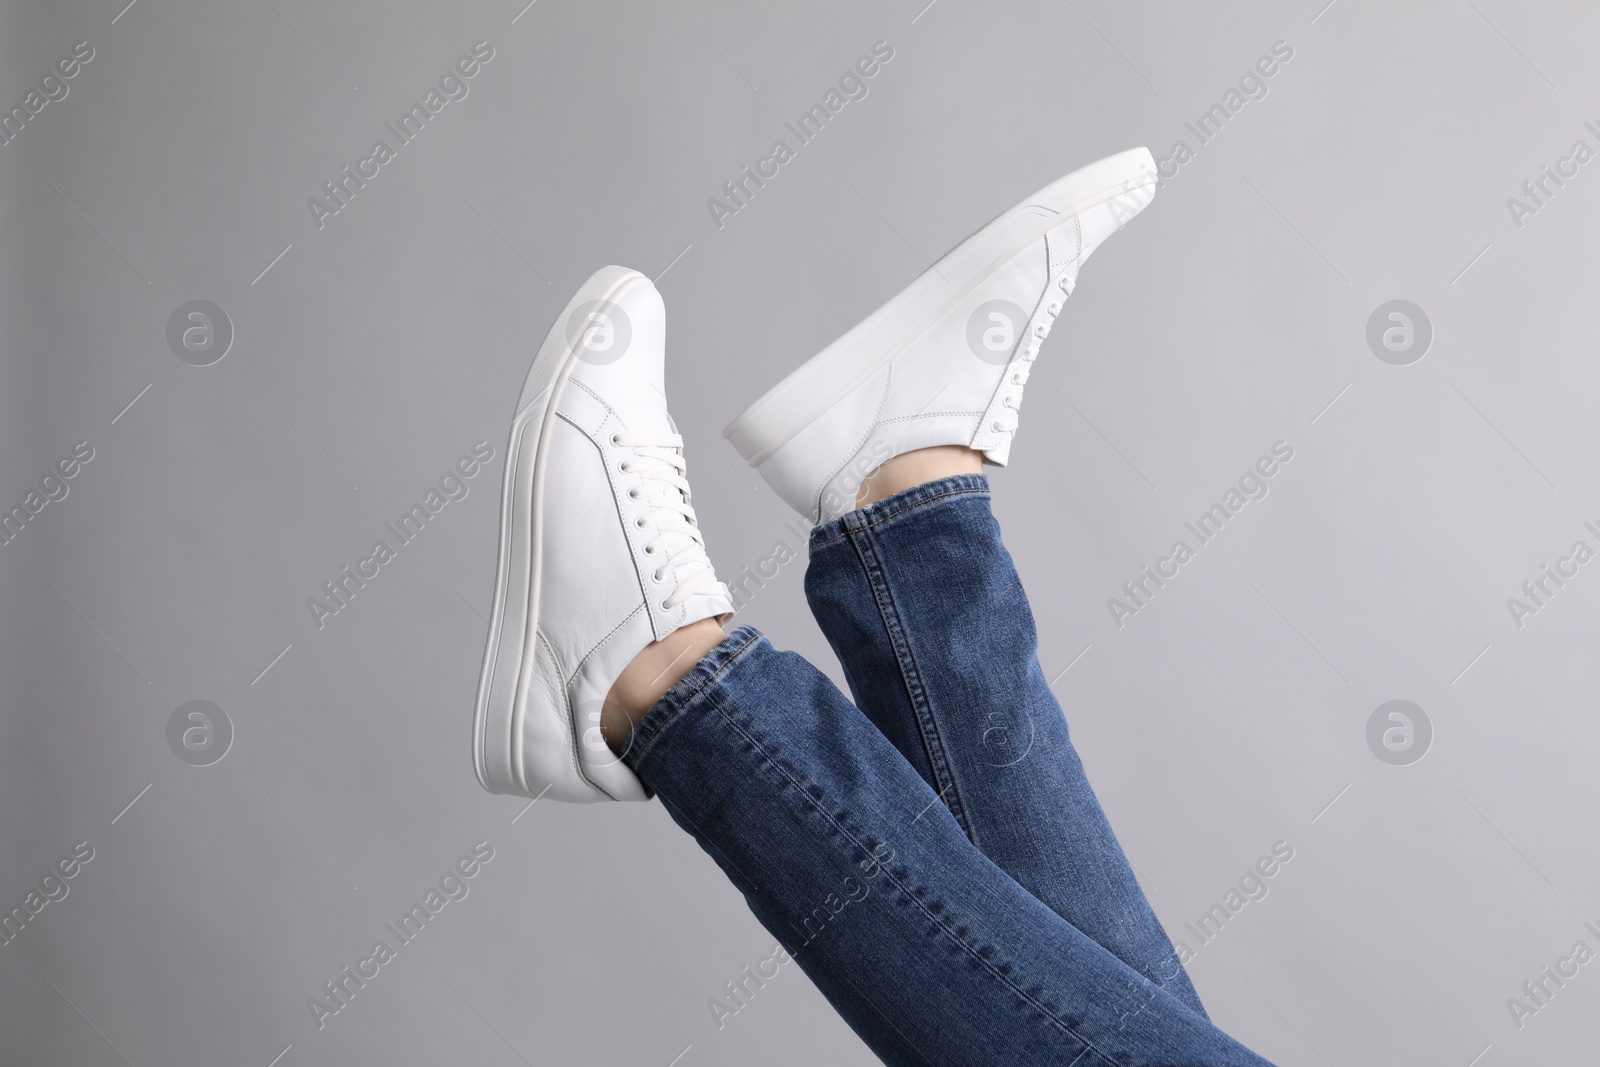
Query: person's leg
[[926, 948], [922, 604]]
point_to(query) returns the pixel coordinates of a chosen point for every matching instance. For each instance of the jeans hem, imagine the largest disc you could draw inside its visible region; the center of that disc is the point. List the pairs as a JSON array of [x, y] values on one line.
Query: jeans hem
[[688, 690], [896, 504]]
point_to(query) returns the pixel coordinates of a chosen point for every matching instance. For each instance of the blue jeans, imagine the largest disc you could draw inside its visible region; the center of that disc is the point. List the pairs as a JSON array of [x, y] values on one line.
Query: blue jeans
[[931, 855]]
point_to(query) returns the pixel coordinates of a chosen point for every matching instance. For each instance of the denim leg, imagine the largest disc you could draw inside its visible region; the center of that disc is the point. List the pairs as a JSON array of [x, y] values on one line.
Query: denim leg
[[926, 948], [922, 604]]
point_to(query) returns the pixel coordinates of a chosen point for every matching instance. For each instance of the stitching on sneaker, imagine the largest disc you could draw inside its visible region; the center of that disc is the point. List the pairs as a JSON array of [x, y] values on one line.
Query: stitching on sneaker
[[611, 411], [616, 498], [566, 704], [614, 631], [931, 415]]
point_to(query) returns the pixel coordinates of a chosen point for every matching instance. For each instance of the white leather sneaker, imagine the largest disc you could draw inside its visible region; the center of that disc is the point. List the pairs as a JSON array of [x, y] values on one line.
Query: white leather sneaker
[[945, 361], [600, 553]]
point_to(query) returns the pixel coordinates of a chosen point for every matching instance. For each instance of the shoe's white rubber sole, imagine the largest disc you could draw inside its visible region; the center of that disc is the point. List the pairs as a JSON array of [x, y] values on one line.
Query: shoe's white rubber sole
[[819, 383], [497, 729]]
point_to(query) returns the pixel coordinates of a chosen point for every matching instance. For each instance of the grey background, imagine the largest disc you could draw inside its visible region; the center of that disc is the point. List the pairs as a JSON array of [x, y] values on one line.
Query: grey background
[[1229, 714]]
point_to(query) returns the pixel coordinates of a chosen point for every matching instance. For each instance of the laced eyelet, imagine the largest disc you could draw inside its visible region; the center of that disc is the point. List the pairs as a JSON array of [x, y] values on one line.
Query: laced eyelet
[[1055, 308], [640, 523], [1041, 331], [656, 575], [1063, 284], [665, 606], [614, 440], [633, 494]]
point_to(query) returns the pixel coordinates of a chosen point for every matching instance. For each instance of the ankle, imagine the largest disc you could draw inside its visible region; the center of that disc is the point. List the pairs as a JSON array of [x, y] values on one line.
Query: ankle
[[916, 467], [656, 669]]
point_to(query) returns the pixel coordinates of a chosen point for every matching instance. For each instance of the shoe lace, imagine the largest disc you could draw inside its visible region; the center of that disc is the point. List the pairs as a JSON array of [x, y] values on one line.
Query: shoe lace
[[658, 460], [1017, 371]]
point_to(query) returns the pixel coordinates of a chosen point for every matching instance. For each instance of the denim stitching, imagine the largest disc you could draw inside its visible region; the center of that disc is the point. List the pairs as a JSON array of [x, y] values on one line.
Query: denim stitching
[[930, 916], [916, 692], [885, 518], [655, 732]]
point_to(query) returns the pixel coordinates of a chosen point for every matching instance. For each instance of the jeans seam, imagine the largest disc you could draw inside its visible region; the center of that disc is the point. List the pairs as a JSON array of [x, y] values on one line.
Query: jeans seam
[[916, 692], [910, 506], [1018, 991]]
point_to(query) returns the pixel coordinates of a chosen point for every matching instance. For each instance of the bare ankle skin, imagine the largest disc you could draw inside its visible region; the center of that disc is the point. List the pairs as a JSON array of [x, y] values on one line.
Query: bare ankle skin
[[916, 467], [657, 668]]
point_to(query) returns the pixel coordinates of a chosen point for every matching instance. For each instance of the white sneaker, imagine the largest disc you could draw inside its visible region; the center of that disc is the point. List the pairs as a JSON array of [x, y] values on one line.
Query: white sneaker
[[945, 361], [600, 553]]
